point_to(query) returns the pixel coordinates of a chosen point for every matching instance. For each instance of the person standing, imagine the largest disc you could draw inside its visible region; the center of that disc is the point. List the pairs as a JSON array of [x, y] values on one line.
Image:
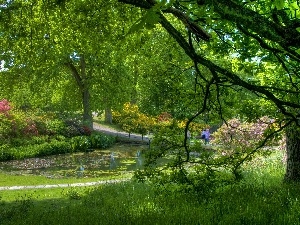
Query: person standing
[[206, 136]]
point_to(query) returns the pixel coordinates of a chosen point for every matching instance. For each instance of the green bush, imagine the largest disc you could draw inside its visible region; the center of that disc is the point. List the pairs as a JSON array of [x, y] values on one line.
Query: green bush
[[5, 154], [80, 143], [35, 150], [18, 142], [53, 148], [101, 141], [55, 126]]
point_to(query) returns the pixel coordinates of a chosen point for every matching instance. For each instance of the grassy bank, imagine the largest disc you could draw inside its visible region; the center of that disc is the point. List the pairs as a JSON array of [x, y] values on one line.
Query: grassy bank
[[260, 198]]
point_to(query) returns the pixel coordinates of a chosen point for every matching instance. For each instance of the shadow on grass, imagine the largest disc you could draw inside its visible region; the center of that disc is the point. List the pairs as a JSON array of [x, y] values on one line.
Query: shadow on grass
[[246, 202]]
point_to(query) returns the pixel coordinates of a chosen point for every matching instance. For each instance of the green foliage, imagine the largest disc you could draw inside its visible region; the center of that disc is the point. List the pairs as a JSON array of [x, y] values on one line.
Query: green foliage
[[54, 147], [80, 143], [5, 128], [101, 141], [132, 120], [148, 20], [73, 193], [55, 126], [5, 153], [195, 164], [237, 142], [28, 151], [44, 146]]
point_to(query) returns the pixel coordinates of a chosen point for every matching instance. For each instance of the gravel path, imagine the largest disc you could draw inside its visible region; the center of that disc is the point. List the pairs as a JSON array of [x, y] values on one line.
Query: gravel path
[[122, 134], [10, 188]]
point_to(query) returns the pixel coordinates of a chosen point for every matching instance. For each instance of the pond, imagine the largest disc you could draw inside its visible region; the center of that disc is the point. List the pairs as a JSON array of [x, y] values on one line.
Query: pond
[[114, 161]]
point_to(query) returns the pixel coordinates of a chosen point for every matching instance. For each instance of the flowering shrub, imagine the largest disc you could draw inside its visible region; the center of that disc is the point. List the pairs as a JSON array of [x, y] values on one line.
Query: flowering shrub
[[30, 129], [4, 106], [132, 120], [116, 117], [163, 117], [86, 130], [236, 137]]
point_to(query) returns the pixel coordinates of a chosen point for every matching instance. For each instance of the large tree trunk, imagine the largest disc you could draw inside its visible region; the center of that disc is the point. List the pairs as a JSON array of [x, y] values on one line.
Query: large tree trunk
[[82, 78], [293, 153], [108, 115], [87, 112]]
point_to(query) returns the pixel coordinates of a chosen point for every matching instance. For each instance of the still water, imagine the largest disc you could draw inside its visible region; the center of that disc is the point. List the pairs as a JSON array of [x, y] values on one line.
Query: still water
[[116, 160]]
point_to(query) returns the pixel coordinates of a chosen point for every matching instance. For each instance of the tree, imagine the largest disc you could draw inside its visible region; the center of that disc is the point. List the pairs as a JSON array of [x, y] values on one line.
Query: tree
[[259, 33], [46, 41]]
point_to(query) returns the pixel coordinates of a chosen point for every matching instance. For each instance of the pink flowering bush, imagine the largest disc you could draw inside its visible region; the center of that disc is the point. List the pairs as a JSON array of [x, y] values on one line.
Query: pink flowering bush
[[236, 137], [237, 142], [5, 120], [15, 123], [5, 107]]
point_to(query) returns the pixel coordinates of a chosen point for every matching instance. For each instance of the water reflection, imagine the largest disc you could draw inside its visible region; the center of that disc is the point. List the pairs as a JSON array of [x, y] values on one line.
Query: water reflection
[[91, 164], [139, 160], [113, 163]]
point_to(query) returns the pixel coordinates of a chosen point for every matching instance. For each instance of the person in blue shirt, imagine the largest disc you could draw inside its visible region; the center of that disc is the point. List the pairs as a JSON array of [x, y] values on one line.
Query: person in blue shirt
[[206, 135]]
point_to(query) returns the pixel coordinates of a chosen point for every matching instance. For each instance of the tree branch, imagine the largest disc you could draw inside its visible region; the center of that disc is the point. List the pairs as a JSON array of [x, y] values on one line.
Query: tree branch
[[75, 74]]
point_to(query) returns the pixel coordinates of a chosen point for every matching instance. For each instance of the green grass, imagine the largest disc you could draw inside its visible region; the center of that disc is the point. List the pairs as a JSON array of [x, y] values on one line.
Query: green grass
[[24, 180], [260, 198]]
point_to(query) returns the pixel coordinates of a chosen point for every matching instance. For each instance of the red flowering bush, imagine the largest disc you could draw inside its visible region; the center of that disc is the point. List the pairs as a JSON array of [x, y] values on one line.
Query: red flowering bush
[[164, 117], [86, 130], [30, 128]]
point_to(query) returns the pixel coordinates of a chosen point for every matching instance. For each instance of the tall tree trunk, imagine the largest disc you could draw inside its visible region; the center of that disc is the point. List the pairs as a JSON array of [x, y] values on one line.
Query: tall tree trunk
[[293, 153], [108, 115], [87, 112], [81, 78]]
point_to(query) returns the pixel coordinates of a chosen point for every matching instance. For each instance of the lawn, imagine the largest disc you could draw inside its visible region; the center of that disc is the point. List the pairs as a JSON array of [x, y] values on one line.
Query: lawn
[[259, 198]]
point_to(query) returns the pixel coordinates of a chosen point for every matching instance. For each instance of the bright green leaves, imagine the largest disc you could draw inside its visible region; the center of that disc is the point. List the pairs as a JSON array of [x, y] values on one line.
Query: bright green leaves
[[148, 21], [291, 7], [151, 17], [279, 4]]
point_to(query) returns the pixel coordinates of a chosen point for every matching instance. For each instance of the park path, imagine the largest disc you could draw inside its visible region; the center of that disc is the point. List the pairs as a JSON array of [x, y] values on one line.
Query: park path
[[103, 129], [122, 134], [85, 184]]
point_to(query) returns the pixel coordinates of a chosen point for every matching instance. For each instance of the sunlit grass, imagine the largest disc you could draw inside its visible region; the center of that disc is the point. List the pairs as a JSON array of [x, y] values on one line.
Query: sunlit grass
[[259, 198], [25, 180]]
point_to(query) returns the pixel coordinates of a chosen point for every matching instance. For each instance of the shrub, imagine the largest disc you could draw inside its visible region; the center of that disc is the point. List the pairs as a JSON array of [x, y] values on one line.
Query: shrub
[[34, 150], [80, 143], [74, 128], [30, 128], [5, 107], [237, 136], [5, 126], [55, 126], [53, 148], [237, 142], [5, 154], [101, 141]]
